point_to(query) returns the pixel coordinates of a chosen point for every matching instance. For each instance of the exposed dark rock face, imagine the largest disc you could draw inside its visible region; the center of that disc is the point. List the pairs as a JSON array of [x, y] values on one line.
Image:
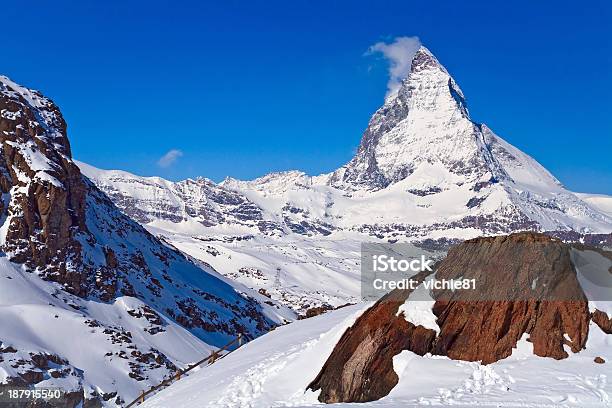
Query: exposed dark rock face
[[488, 331], [526, 284], [316, 311], [319, 310], [46, 193], [529, 286], [602, 320]]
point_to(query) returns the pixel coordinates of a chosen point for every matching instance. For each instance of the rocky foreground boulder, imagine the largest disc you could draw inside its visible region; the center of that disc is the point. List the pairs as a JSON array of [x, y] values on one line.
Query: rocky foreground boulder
[[527, 286]]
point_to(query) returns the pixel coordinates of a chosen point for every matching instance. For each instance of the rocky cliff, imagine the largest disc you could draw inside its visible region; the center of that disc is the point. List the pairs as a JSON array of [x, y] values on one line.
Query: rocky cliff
[[73, 254]]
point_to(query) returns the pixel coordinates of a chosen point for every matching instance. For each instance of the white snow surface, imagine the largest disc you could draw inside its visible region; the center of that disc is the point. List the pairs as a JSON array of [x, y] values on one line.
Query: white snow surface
[[38, 317], [300, 272], [272, 370], [275, 369], [417, 309], [601, 202]]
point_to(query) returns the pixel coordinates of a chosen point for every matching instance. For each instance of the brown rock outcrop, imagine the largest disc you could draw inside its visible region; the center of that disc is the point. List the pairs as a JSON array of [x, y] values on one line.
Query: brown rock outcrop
[[526, 284], [602, 320], [361, 367]]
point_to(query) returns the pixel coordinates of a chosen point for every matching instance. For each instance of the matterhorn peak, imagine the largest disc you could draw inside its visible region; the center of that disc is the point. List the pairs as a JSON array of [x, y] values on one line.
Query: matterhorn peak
[[425, 68], [426, 121]]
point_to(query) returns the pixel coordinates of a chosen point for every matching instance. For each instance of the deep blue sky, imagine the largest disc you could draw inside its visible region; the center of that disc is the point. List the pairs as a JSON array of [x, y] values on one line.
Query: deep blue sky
[[245, 88]]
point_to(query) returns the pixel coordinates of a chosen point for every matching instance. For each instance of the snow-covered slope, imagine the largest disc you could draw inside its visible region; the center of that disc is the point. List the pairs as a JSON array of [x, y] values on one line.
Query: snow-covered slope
[[272, 371], [601, 202], [108, 350], [67, 251], [299, 272], [275, 370]]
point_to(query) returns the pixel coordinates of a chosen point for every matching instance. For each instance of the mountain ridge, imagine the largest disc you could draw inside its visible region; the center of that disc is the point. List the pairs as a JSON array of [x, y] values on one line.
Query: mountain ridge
[[91, 302], [441, 171]]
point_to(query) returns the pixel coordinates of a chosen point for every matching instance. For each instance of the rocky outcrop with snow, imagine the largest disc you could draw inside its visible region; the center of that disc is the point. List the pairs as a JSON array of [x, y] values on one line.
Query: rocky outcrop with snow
[[528, 286], [70, 252]]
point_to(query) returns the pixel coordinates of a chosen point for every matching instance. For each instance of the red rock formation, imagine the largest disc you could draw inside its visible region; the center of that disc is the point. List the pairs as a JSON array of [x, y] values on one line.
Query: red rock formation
[[527, 285], [47, 193]]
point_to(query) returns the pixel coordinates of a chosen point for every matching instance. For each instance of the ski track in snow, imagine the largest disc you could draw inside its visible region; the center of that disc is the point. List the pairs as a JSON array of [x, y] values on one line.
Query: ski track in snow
[[245, 389]]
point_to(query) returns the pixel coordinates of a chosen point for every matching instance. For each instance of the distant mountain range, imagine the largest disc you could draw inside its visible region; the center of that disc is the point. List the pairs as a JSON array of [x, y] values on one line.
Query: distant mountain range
[[423, 170]]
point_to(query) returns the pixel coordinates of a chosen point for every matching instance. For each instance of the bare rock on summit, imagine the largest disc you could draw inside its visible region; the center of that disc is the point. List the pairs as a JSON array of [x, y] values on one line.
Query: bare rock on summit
[[529, 288]]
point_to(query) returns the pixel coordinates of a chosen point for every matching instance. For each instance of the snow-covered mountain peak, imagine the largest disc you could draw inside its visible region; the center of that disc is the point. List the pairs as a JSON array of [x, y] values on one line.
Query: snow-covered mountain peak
[[427, 85], [427, 121], [423, 169]]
